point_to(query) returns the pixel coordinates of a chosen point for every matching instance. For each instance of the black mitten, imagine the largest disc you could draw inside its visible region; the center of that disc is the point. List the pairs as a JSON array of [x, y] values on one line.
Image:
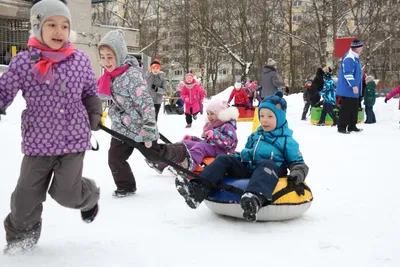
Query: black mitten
[[2, 111], [298, 173], [94, 110], [154, 87]]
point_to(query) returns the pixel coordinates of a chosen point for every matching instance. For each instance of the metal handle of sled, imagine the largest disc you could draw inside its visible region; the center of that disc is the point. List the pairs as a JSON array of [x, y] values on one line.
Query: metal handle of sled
[[149, 152]]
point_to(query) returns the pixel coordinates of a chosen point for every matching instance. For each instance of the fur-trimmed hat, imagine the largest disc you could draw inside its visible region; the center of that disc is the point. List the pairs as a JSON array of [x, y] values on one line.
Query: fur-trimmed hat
[[44, 9], [116, 42], [356, 43], [222, 110], [277, 104]]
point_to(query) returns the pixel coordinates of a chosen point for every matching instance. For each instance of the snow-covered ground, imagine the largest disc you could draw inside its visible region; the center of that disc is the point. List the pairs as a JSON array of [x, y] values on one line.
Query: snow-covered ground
[[353, 221]]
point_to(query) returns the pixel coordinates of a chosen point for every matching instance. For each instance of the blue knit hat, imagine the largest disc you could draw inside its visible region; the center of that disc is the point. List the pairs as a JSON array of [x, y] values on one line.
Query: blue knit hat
[[356, 43], [277, 104]]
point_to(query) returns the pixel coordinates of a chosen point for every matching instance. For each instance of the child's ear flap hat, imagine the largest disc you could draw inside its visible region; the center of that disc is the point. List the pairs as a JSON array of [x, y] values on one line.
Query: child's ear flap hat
[[116, 42], [44, 9], [277, 104]]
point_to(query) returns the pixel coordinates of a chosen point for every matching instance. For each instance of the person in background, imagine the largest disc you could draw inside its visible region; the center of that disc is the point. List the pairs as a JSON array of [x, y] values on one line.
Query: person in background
[[157, 85], [349, 87], [369, 99], [306, 99]]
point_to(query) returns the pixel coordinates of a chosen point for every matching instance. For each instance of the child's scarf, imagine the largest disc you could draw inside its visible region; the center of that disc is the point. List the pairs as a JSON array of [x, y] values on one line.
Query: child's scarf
[[210, 126], [104, 82], [44, 68]]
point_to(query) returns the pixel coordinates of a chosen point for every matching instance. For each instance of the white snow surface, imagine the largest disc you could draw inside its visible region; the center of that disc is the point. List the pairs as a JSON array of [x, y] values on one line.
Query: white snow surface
[[353, 221]]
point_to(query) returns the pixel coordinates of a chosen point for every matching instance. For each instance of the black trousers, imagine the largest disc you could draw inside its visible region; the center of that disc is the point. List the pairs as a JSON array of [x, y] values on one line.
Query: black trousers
[[348, 113], [328, 109], [157, 108], [189, 116]]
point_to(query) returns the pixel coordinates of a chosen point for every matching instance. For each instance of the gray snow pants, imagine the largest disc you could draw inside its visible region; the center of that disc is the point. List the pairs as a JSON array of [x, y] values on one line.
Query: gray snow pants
[[68, 188]]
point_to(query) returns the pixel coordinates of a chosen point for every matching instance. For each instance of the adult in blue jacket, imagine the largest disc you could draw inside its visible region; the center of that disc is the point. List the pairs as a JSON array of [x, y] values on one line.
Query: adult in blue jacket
[[349, 87]]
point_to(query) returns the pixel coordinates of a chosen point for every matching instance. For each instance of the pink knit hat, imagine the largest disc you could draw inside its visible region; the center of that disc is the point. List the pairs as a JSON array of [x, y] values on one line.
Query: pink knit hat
[[190, 74], [215, 106]]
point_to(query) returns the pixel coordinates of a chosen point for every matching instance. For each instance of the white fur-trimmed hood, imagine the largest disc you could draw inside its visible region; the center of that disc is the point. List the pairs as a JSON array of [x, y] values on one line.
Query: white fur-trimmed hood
[[231, 113]]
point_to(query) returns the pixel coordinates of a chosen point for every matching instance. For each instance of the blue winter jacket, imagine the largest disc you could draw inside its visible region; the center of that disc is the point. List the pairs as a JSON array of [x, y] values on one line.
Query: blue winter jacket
[[277, 145], [350, 75], [328, 91]]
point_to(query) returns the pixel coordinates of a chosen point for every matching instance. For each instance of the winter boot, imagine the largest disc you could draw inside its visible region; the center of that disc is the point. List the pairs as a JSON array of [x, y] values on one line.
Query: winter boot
[[354, 129], [20, 246], [195, 117], [187, 163], [343, 131], [120, 193], [320, 124], [158, 167], [250, 204], [194, 193], [172, 170], [88, 216], [189, 125]]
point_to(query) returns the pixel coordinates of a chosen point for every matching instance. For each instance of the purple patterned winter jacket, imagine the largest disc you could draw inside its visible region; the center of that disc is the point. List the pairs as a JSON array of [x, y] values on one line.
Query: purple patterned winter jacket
[[56, 118]]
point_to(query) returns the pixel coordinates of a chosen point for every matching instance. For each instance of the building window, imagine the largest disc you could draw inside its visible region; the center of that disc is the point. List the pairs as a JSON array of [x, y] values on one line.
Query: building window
[[296, 18], [297, 3], [178, 72], [223, 72]]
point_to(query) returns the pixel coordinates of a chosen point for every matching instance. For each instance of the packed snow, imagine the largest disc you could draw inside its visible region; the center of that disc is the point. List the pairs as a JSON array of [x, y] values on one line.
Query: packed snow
[[353, 221]]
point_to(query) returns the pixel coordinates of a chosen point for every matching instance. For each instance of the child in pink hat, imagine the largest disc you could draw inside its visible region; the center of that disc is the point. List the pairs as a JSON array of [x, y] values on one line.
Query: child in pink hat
[[218, 137], [192, 94]]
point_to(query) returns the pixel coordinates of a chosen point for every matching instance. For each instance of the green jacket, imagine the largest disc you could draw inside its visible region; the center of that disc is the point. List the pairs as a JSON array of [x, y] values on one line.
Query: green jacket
[[369, 94]]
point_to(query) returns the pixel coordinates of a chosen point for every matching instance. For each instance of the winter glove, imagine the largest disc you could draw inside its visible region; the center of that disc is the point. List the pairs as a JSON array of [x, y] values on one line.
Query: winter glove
[[154, 87], [94, 109], [187, 137], [386, 100], [298, 173], [2, 111], [209, 134]]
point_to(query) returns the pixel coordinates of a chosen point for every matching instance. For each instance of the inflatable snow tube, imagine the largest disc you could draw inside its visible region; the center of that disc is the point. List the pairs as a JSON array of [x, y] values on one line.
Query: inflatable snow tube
[[288, 202]]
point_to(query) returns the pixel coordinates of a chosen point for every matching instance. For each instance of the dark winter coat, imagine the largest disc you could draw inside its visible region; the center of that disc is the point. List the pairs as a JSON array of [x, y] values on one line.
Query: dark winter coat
[[306, 95], [316, 86], [369, 94]]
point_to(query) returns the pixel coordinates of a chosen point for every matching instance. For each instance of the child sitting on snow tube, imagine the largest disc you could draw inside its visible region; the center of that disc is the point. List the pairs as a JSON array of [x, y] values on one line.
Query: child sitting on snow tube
[[268, 153], [219, 137]]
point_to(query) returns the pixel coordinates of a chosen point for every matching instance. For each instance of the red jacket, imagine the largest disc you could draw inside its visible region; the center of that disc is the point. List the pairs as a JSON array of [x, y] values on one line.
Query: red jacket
[[240, 95]]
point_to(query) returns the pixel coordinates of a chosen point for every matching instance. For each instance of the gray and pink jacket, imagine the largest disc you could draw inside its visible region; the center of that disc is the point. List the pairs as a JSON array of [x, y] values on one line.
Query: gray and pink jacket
[[56, 118]]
